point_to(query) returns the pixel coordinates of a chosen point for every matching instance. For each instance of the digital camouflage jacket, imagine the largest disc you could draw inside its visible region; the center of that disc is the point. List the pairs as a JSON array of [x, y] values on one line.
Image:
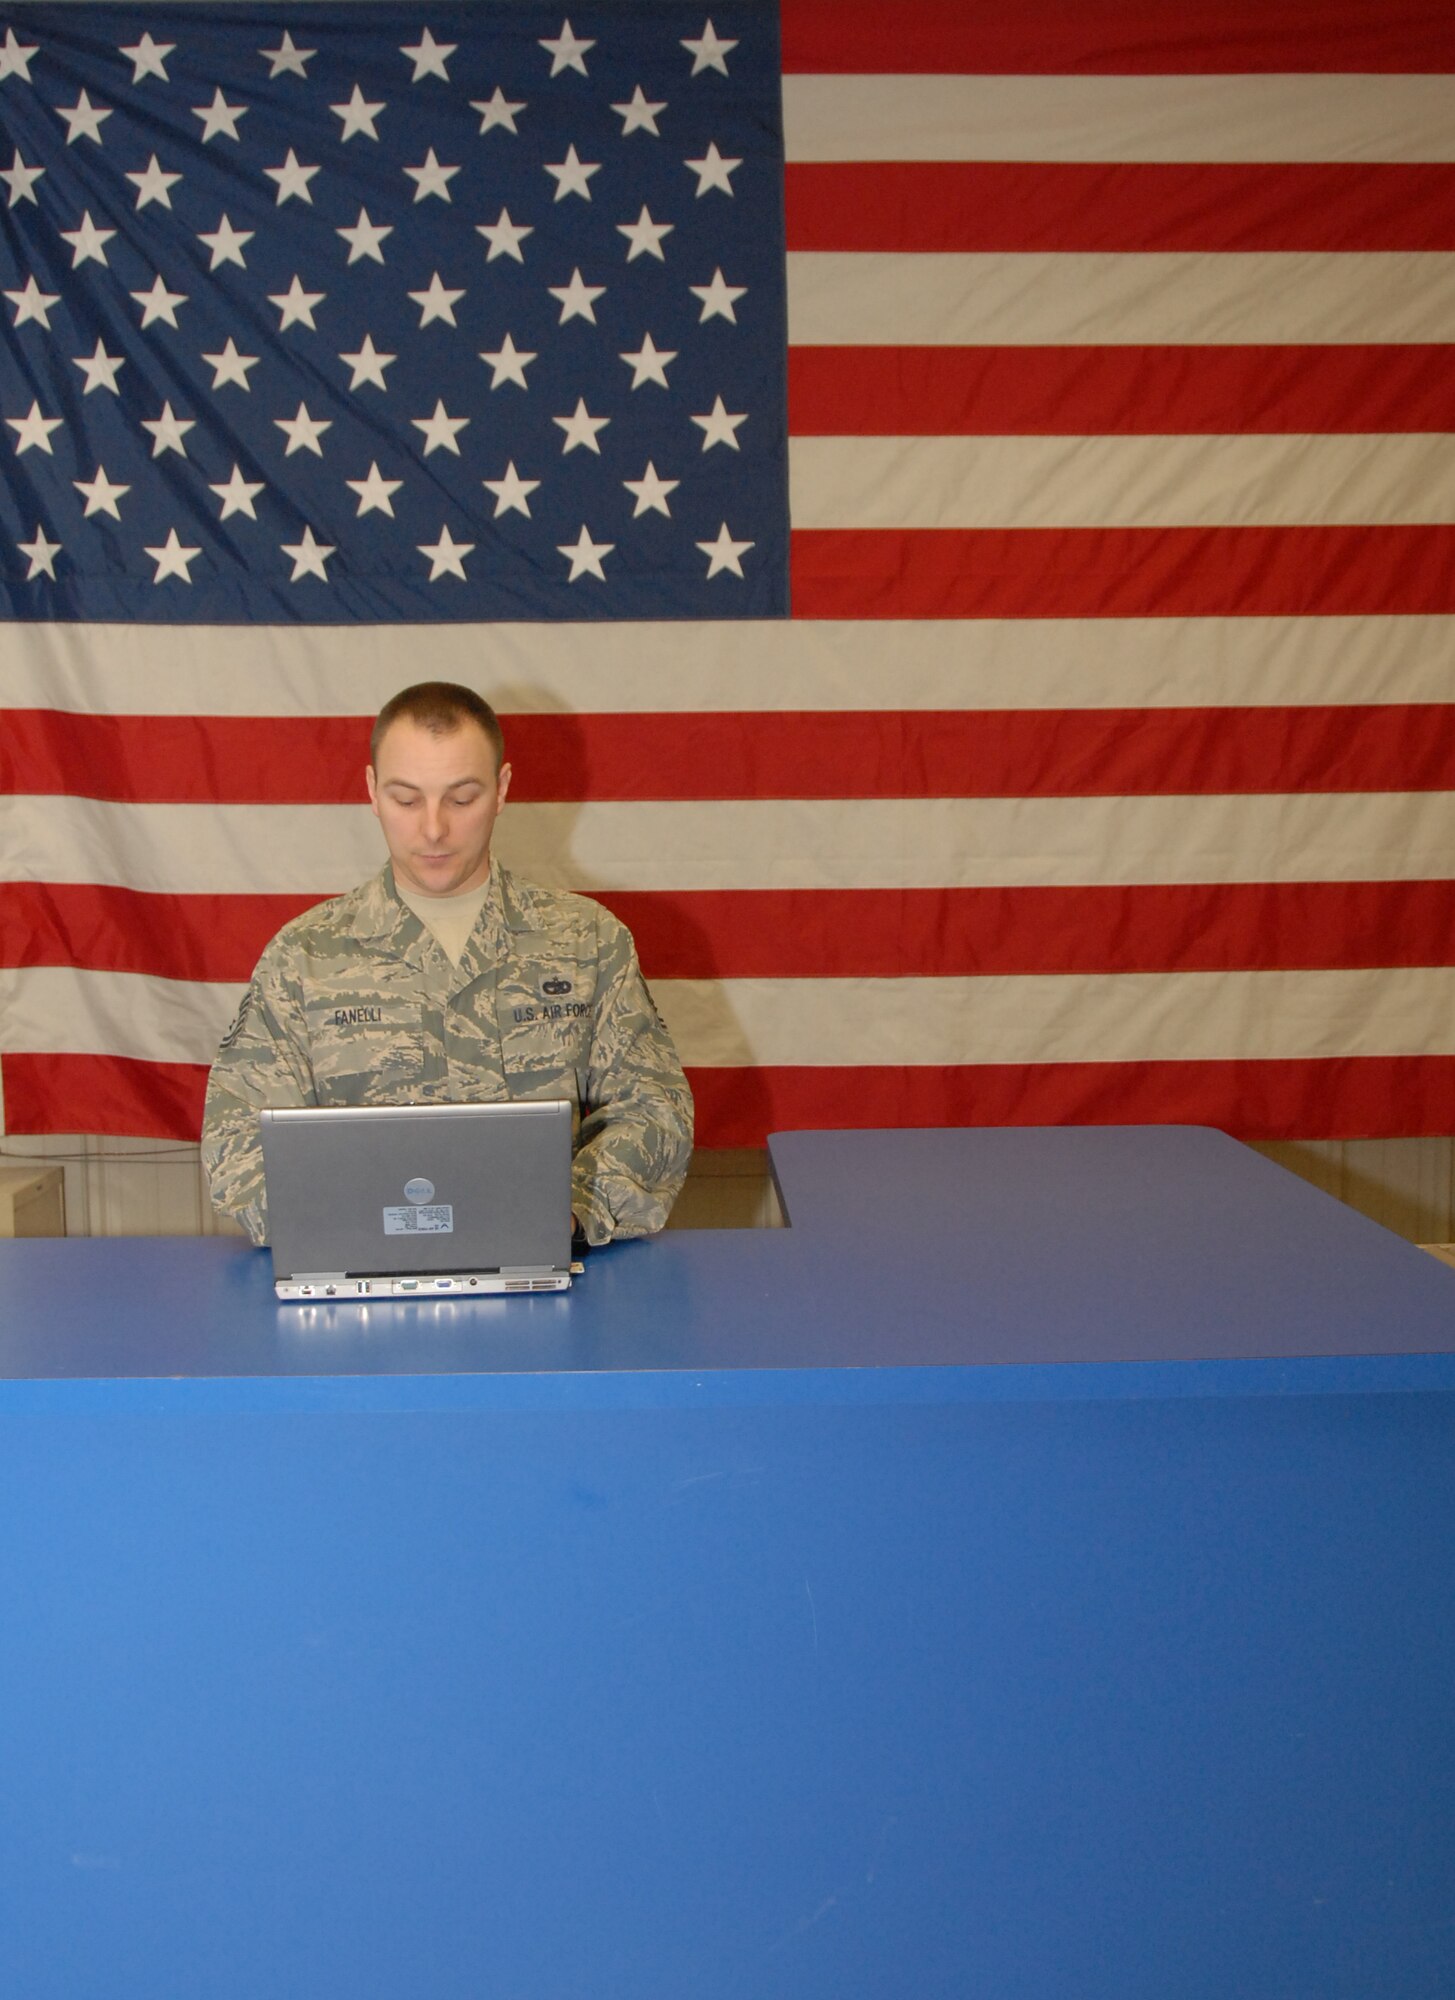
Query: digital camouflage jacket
[[355, 1002]]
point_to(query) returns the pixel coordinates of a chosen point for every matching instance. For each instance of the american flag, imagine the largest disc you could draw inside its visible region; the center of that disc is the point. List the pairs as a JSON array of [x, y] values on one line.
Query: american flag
[[1084, 755]]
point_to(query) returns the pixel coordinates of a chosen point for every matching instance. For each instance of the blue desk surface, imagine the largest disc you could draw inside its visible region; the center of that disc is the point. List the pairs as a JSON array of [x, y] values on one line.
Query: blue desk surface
[[725, 1629], [906, 1250]]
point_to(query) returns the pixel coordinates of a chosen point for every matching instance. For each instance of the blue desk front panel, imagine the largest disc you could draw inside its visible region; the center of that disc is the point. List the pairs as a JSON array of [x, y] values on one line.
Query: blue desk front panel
[[1114, 1698]]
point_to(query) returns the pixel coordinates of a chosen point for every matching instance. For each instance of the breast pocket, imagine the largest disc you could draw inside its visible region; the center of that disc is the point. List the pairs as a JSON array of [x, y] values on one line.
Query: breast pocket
[[545, 1011], [368, 1054]]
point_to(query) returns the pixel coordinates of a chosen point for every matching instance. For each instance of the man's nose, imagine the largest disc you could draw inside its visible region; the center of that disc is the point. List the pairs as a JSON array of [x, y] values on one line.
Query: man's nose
[[436, 820]]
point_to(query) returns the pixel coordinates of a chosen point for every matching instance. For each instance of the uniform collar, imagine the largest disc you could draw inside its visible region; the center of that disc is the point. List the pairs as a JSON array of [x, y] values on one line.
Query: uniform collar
[[382, 917]]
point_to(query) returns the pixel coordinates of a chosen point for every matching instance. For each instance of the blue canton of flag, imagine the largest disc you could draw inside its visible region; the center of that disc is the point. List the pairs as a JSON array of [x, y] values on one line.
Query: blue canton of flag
[[392, 313]]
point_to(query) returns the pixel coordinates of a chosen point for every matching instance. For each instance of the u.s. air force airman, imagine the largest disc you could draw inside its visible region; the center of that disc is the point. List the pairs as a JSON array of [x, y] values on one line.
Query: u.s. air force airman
[[443, 979]]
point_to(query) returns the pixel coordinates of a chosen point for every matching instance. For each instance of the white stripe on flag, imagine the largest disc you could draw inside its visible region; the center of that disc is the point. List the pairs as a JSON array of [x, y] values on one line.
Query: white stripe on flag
[[1107, 1017], [1121, 482], [1024, 299], [1259, 119], [768, 844], [829, 664]]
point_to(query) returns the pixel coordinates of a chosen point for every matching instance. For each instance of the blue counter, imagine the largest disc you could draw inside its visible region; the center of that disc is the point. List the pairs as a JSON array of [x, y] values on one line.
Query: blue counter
[[1029, 1574]]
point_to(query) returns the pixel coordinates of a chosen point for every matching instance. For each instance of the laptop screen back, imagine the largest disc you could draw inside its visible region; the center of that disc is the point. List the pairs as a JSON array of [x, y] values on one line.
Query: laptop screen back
[[419, 1188]]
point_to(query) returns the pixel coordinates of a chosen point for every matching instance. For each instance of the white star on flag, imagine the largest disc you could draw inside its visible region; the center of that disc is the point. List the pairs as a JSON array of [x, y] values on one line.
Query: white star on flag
[[15, 57], [709, 51], [101, 494], [504, 237], [375, 493], [153, 184], [639, 115], [172, 558], [508, 364], [365, 237], [21, 179], [42, 555], [292, 178], [713, 171], [567, 51], [159, 303], [724, 553], [512, 493], [577, 299], [651, 492], [33, 431], [358, 116], [286, 59], [33, 303], [649, 363], [303, 431], [429, 57], [168, 431], [229, 366], [585, 555], [309, 557], [100, 369], [148, 58], [581, 428], [238, 494], [496, 110], [718, 298], [720, 428], [431, 178], [226, 244], [219, 116], [446, 556], [83, 119], [296, 305], [440, 430], [571, 175], [368, 365], [88, 243], [645, 236], [436, 302]]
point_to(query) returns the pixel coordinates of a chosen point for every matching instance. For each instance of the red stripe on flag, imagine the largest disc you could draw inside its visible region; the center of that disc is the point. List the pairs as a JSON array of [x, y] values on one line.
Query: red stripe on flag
[[1019, 206], [1123, 38], [102, 928], [1122, 572], [185, 759], [104, 1095], [935, 933], [1319, 1098], [821, 933], [822, 754], [1124, 391]]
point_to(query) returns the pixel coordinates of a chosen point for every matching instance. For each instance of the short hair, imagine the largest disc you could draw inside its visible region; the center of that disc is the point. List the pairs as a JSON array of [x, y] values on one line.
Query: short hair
[[441, 707]]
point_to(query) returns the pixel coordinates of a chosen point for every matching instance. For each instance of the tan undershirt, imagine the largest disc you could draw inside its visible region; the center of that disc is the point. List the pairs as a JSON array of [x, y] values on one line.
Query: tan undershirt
[[451, 918]]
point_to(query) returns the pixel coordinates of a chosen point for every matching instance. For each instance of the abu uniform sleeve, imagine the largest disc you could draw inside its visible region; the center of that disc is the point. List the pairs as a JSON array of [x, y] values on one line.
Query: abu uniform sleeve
[[636, 1121], [263, 1061]]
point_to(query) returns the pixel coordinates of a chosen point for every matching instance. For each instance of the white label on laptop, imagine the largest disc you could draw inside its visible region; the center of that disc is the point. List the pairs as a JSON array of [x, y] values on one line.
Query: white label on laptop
[[435, 1218]]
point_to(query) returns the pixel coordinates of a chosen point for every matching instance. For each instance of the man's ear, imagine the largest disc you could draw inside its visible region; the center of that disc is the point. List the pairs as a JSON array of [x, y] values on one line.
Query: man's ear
[[372, 788], [503, 783]]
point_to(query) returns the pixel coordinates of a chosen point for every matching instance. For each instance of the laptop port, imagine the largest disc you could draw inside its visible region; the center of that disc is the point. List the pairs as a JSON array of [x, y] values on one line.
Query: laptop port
[[517, 1284], [409, 1284], [444, 1284]]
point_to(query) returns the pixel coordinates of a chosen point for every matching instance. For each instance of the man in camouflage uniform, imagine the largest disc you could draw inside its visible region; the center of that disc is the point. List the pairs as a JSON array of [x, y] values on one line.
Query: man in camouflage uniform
[[444, 980]]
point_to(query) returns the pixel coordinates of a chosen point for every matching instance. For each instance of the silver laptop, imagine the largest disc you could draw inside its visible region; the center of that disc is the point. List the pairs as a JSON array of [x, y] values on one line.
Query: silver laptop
[[414, 1200]]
